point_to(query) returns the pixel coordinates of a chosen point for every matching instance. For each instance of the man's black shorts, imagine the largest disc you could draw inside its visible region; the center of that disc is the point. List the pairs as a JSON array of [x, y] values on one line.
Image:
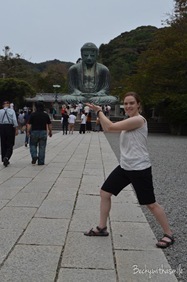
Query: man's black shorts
[[140, 179]]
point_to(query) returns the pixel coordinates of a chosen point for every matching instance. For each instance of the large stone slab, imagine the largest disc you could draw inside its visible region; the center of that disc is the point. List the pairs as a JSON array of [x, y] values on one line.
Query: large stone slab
[[87, 252], [87, 202], [97, 180], [63, 194], [83, 221], [93, 171], [90, 188], [16, 182], [67, 182], [45, 231], [71, 173], [3, 203], [28, 171], [125, 196], [7, 193], [72, 166], [45, 177], [92, 165], [143, 266], [36, 186], [126, 212], [8, 239], [86, 275], [31, 263], [55, 208], [133, 236], [15, 217], [27, 200]]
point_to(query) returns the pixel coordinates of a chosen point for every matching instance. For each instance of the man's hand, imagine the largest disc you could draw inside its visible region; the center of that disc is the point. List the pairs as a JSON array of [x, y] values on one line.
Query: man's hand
[[50, 134]]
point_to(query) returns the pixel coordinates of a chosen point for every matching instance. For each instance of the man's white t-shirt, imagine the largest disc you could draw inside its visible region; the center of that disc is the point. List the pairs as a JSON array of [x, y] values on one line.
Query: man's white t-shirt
[[71, 118], [83, 119]]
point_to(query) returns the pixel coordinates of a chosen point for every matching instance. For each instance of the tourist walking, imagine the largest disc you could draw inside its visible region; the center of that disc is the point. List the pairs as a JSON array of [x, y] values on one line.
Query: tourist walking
[[8, 131], [134, 168], [39, 125]]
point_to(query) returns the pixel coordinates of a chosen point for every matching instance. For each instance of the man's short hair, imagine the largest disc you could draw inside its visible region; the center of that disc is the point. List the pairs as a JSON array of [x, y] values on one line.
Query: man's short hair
[[39, 106]]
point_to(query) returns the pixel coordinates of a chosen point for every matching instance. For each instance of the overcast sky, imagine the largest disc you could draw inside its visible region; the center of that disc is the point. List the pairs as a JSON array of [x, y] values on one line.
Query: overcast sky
[[42, 30]]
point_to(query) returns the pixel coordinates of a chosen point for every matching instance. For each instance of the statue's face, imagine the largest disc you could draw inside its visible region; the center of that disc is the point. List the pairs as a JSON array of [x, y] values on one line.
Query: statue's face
[[89, 57]]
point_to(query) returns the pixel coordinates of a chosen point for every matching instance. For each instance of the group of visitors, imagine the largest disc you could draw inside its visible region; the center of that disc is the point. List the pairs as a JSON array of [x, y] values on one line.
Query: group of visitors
[[37, 125], [71, 113], [68, 122]]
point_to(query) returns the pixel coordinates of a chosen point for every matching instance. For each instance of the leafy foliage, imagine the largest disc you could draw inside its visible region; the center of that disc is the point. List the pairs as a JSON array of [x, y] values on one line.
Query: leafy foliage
[[162, 70], [15, 90], [41, 76], [122, 53]]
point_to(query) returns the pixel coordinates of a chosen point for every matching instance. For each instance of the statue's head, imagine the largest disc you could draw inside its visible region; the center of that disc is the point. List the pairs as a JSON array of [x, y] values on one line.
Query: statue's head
[[89, 53]]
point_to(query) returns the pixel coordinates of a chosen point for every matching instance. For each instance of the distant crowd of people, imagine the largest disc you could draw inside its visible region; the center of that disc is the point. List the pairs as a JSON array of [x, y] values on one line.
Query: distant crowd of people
[[36, 125], [71, 112]]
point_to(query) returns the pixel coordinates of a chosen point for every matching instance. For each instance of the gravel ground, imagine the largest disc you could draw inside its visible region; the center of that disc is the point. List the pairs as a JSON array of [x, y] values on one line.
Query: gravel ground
[[169, 166]]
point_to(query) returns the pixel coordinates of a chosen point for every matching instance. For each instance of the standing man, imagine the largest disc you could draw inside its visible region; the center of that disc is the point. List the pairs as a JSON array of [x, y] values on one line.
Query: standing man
[[39, 125], [64, 121], [71, 120], [8, 131], [83, 123]]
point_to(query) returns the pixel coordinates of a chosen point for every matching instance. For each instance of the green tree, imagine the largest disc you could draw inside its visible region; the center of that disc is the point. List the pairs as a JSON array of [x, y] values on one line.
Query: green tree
[[162, 69], [53, 74], [121, 54], [15, 91]]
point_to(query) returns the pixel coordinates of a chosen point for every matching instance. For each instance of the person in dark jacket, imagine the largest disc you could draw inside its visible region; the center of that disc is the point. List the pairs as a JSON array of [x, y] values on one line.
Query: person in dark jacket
[[64, 121], [39, 125]]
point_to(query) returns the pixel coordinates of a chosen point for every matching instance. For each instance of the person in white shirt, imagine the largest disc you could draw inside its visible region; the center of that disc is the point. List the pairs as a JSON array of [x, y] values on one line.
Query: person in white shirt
[[8, 131], [71, 120], [134, 168], [83, 123]]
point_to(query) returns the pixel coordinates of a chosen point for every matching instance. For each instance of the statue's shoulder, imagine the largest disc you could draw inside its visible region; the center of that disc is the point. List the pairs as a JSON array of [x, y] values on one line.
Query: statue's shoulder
[[75, 67], [102, 67]]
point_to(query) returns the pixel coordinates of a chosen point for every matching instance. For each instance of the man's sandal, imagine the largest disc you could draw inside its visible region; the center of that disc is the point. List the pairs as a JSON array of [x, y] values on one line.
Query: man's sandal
[[100, 232], [163, 244]]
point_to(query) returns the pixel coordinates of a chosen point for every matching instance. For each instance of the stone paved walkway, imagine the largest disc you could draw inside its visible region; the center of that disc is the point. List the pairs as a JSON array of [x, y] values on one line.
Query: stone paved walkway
[[44, 211]]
